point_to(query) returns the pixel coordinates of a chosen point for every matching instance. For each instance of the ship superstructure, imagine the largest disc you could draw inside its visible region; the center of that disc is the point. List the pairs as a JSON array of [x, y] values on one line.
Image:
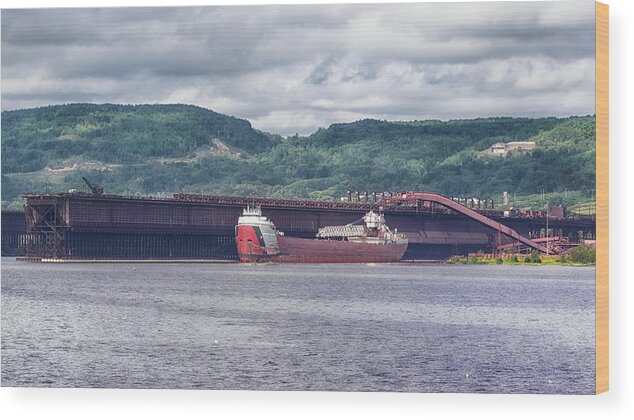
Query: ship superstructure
[[373, 231], [256, 235]]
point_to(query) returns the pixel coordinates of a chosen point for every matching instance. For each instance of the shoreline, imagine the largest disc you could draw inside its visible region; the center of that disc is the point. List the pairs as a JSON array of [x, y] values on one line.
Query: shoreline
[[456, 260], [515, 260]]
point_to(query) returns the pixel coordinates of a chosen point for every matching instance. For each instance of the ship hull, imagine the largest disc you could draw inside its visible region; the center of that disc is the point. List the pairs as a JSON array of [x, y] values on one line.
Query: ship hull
[[298, 250]]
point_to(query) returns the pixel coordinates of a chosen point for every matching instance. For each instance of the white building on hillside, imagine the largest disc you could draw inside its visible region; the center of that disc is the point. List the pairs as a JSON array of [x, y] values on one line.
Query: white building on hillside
[[502, 149]]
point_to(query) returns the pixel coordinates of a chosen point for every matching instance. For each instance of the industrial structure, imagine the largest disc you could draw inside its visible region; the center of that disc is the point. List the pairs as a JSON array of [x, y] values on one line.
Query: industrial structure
[[94, 225], [14, 233]]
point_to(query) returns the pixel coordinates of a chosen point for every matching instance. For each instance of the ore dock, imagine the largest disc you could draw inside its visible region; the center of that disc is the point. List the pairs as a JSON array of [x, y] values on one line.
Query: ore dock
[[97, 226]]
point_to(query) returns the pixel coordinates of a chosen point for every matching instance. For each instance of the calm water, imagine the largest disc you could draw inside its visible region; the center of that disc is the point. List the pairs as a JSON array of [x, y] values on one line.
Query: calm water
[[422, 328]]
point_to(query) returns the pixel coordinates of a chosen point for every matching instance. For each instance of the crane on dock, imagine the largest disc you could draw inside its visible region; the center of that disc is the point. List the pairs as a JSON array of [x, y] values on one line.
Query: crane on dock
[[96, 189]]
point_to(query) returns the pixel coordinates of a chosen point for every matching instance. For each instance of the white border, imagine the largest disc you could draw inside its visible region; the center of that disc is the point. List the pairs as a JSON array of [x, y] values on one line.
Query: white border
[[617, 403]]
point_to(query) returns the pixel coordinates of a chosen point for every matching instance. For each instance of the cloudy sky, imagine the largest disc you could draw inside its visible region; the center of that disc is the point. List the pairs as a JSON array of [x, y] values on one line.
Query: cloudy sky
[[294, 68]]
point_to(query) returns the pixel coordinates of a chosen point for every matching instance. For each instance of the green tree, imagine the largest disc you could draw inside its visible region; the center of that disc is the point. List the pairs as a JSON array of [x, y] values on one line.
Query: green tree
[[582, 254]]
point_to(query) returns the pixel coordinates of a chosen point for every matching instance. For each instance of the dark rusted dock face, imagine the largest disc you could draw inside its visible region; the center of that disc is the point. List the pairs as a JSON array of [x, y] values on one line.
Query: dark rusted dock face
[[187, 226], [14, 236]]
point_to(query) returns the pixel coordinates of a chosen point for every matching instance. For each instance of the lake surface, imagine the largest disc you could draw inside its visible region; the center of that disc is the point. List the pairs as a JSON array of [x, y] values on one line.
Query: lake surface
[[415, 328]]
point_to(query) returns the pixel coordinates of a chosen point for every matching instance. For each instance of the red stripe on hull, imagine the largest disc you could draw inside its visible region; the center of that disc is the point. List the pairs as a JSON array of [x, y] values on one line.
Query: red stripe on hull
[[248, 244]]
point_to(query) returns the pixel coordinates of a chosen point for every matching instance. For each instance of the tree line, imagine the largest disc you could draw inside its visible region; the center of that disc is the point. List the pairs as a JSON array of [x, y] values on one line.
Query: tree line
[[441, 156]]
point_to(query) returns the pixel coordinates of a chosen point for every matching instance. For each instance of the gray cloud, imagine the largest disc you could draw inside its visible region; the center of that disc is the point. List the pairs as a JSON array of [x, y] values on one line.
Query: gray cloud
[[294, 68]]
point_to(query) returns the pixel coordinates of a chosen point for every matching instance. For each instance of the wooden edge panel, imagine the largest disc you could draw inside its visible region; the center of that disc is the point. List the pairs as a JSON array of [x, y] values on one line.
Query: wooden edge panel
[[602, 198]]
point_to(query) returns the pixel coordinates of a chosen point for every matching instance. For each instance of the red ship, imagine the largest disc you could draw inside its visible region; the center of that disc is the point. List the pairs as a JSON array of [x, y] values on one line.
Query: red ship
[[258, 240]]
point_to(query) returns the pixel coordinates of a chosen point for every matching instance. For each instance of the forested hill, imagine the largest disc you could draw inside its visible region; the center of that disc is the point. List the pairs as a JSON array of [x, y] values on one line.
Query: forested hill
[[35, 138], [162, 149]]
